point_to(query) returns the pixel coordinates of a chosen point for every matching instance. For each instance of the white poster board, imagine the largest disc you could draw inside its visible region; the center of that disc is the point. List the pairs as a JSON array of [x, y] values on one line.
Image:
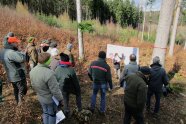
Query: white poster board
[[122, 51]]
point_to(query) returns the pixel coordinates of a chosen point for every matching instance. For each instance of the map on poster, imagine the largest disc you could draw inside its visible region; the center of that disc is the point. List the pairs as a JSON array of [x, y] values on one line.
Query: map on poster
[[122, 51]]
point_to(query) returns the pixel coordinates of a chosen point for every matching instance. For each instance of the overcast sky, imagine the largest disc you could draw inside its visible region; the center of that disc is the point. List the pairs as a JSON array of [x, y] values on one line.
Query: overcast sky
[[155, 6]]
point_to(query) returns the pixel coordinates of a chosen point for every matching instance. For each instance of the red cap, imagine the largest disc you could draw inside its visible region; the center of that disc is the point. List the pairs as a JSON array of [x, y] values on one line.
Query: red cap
[[13, 40]]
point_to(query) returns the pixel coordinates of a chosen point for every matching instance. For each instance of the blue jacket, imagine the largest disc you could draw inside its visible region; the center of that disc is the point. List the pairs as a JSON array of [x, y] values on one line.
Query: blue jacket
[[157, 78], [131, 68]]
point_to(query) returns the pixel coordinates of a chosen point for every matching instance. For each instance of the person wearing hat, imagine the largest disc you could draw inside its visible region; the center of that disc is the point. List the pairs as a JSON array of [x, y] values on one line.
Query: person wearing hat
[[44, 83], [13, 62], [54, 52], [158, 78], [31, 52], [5, 40], [69, 53], [68, 82], [135, 95], [100, 73], [44, 46]]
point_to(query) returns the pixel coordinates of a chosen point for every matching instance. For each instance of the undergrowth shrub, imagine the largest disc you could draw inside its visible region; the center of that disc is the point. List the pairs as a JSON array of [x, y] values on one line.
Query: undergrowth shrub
[[50, 20]]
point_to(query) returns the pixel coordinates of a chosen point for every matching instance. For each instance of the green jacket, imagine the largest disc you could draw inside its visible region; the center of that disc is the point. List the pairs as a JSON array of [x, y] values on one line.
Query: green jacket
[[44, 83], [136, 91], [68, 81], [13, 62]]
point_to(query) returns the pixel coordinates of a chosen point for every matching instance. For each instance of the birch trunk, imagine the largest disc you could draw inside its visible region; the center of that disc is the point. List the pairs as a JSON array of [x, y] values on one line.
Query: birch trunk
[[174, 28], [163, 29], [80, 36]]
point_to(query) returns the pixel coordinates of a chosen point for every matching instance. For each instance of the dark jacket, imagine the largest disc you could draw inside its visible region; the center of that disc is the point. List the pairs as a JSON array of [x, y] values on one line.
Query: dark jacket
[[158, 77], [66, 76], [136, 91], [99, 71], [131, 68], [13, 62], [44, 83]]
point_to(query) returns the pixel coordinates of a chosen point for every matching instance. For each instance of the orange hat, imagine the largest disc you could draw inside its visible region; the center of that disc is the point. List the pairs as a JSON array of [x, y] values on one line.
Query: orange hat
[[13, 40]]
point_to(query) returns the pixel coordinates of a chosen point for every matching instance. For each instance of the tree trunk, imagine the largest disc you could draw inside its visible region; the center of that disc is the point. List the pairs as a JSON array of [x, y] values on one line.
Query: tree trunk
[[163, 29], [144, 19], [80, 36], [174, 29], [149, 29], [185, 45]]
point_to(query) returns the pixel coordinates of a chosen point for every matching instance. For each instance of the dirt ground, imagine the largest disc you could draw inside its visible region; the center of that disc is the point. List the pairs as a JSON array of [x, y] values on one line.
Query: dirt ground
[[173, 108]]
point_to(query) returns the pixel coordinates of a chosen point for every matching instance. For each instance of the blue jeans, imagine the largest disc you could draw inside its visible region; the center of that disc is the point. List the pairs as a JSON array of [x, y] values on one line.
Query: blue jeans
[[49, 113], [96, 87], [150, 93]]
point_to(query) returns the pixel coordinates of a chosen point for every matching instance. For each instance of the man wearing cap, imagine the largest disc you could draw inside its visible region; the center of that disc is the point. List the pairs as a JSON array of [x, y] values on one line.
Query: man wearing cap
[[13, 61], [99, 72], [157, 79], [68, 82], [5, 40], [31, 52], [44, 83], [131, 68], [135, 95], [69, 53], [44, 46]]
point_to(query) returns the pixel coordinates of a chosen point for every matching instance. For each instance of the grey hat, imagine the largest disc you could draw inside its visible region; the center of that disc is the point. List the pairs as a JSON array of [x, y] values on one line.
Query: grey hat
[[156, 60], [10, 34], [69, 46]]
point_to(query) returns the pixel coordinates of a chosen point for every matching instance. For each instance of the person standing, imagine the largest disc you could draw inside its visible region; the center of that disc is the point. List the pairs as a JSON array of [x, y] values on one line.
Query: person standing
[[135, 95], [68, 82], [130, 68], [13, 61], [31, 52], [54, 52], [100, 73], [69, 53], [44, 83], [116, 62], [158, 78]]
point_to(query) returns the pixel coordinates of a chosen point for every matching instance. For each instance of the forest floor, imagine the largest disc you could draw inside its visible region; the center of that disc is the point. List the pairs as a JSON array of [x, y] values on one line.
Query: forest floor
[[173, 107]]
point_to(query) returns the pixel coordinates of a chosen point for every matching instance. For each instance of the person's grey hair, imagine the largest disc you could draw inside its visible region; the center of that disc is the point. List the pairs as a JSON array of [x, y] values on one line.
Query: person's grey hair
[[156, 60]]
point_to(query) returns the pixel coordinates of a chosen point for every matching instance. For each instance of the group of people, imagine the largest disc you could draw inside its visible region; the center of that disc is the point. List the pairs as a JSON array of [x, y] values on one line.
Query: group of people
[[140, 84], [52, 76]]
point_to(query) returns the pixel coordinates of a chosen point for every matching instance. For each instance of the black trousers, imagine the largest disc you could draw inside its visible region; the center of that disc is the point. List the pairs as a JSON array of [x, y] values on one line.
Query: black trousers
[[133, 112], [20, 89]]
